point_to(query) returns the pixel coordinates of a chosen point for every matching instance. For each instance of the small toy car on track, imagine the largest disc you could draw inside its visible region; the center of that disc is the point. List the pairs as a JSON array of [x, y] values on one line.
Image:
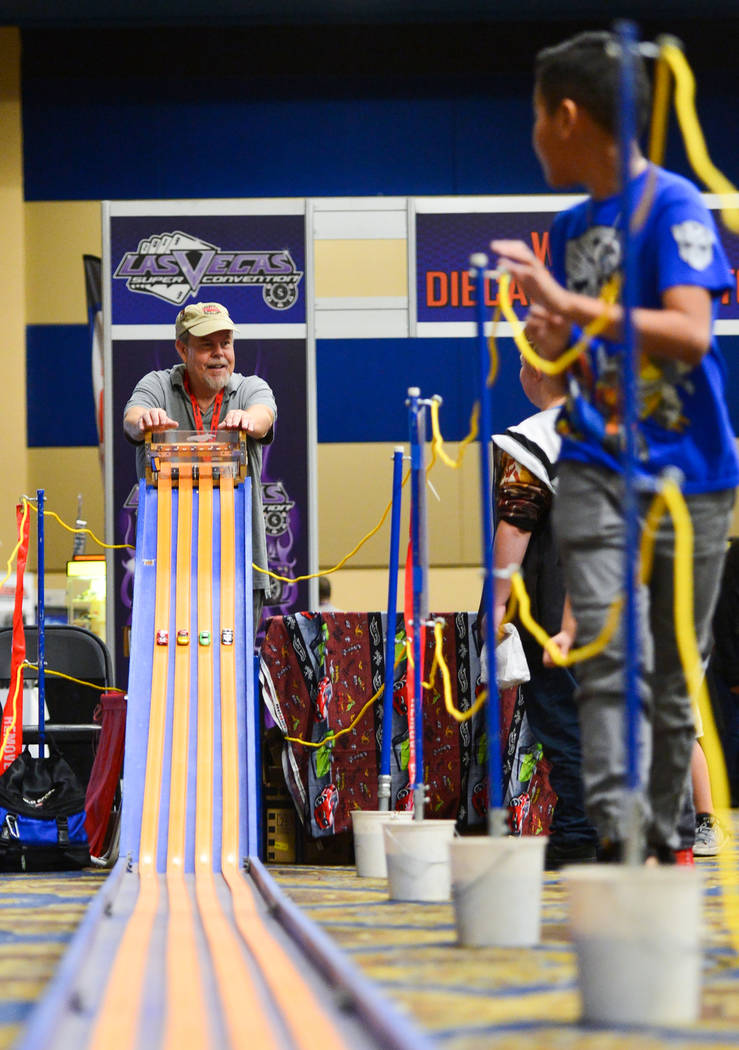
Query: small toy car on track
[[162, 637], [183, 637], [227, 636], [204, 638]]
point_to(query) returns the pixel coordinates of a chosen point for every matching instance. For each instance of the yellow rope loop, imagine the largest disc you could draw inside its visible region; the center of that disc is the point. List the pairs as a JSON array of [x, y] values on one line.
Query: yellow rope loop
[[27, 664], [12, 724], [695, 143], [15, 550], [609, 295], [81, 681], [584, 652], [344, 560], [409, 653], [660, 109], [441, 664], [331, 736], [493, 347], [438, 441], [693, 668], [438, 659], [86, 532]]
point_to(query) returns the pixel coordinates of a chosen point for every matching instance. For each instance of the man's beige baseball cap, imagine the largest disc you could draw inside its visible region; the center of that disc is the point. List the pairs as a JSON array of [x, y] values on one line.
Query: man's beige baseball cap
[[203, 319]]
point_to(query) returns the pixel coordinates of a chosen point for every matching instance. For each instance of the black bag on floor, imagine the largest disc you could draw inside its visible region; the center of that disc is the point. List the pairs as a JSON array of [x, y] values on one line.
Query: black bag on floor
[[42, 816]]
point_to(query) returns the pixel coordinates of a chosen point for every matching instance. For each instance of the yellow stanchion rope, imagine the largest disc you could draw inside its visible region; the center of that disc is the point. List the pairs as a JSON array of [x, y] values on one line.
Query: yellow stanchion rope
[[695, 143], [55, 674], [52, 514], [331, 736], [85, 531], [609, 295], [344, 560], [438, 442], [671, 499], [14, 552], [440, 663]]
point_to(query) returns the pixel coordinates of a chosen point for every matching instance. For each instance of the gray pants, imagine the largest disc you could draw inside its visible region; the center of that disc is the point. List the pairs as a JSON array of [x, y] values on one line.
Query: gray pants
[[588, 519]]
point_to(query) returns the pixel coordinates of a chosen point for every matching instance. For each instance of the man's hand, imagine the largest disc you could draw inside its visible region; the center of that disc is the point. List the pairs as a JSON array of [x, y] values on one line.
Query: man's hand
[[237, 419], [138, 420], [563, 641], [255, 420]]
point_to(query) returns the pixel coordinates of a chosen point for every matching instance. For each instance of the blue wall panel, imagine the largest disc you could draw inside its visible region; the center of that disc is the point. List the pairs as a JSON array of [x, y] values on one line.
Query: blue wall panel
[[308, 111], [362, 386], [60, 403]]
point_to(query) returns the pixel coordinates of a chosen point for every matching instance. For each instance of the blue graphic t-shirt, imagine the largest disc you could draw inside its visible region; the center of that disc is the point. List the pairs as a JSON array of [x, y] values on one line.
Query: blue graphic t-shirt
[[683, 419]]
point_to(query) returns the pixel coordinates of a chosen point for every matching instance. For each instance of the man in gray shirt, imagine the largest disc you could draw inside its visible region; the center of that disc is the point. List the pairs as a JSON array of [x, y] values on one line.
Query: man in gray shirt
[[204, 393]]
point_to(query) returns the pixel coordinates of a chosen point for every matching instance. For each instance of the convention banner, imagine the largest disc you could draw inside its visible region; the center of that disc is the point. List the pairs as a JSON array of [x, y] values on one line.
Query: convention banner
[[251, 257], [449, 230]]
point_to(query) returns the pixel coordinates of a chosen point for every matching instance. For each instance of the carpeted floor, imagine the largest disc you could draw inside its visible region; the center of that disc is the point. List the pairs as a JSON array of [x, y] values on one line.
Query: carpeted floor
[[466, 999], [38, 915], [470, 999]]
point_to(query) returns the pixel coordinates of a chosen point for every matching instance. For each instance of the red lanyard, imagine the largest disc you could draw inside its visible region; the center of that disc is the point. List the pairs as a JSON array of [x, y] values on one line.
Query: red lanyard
[[196, 407]]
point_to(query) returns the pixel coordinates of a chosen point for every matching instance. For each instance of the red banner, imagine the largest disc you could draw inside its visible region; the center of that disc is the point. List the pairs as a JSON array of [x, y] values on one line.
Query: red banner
[[12, 723]]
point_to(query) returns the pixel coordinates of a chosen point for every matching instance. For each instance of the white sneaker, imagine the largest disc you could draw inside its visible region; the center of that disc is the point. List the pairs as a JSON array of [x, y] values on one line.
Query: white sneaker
[[710, 837]]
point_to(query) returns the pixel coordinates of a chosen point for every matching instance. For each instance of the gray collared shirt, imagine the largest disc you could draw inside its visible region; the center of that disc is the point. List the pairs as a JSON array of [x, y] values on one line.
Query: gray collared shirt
[[165, 389]]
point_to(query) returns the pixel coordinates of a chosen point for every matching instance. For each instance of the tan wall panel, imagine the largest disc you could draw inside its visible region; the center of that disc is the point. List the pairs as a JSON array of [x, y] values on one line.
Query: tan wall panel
[[58, 234], [355, 487], [63, 473], [365, 590], [12, 287], [361, 268]]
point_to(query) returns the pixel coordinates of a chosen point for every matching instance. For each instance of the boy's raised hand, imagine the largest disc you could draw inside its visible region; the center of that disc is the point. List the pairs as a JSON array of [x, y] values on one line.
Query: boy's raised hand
[[531, 275]]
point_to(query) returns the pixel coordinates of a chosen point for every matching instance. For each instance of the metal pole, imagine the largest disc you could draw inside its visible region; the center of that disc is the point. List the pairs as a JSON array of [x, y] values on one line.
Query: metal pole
[[627, 136], [417, 426], [384, 780], [496, 812], [41, 616]]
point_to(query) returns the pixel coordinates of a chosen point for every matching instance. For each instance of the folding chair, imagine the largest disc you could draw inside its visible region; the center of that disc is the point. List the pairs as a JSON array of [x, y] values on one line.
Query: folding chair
[[69, 724]]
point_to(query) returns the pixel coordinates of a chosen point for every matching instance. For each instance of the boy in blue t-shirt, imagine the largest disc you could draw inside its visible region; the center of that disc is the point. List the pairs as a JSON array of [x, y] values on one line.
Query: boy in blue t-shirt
[[683, 420]]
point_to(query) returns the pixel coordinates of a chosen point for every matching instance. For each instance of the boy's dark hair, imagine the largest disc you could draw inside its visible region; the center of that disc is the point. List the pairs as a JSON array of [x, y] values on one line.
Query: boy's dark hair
[[587, 69]]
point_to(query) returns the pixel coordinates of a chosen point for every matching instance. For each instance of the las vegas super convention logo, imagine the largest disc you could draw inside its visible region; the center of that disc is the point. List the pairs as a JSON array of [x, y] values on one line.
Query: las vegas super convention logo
[[174, 266]]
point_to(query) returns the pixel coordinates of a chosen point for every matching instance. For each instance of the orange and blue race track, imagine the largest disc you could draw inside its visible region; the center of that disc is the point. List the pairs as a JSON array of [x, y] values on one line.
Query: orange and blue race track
[[189, 944]]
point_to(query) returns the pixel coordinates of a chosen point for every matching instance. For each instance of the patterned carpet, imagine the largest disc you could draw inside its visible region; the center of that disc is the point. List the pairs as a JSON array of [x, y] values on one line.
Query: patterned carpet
[[466, 999], [38, 915], [469, 999]]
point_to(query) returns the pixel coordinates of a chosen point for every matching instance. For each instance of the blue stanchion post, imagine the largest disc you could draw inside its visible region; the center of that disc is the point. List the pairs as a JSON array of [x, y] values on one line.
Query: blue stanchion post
[[626, 32], [496, 812], [41, 617], [384, 779], [417, 427]]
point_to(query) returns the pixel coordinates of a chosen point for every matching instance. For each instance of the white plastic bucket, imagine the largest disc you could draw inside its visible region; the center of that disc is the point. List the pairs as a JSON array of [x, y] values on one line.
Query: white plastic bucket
[[496, 888], [636, 932], [369, 847], [417, 856]]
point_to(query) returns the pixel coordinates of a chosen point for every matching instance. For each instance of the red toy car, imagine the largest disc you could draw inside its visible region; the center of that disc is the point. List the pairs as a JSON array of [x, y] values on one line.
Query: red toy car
[[325, 806], [404, 799], [324, 697], [518, 810]]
